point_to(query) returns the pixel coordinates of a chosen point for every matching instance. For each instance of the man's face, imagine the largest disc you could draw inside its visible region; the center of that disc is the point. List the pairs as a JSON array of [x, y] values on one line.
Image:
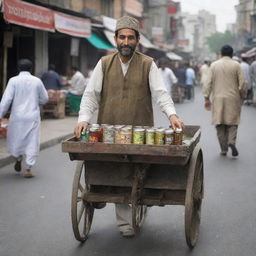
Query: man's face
[[126, 42]]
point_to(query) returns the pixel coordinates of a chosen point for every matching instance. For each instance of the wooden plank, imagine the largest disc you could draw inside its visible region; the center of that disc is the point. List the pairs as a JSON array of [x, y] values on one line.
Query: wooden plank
[[170, 198], [122, 175], [130, 158]]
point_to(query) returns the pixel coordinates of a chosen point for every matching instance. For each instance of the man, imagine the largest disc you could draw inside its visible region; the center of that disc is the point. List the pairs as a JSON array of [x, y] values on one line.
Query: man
[[226, 86], [51, 79], [190, 79], [247, 76], [76, 90], [204, 70], [168, 76], [24, 93], [253, 78], [121, 87]]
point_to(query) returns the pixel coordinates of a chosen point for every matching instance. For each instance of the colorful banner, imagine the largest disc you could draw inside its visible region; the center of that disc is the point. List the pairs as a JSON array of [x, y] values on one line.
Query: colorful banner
[[28, 15], [71, 25]]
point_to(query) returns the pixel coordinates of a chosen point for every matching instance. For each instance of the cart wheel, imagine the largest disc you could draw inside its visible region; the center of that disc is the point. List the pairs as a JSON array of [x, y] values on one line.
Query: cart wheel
[[194, 196], [138, 216], [81, 211]]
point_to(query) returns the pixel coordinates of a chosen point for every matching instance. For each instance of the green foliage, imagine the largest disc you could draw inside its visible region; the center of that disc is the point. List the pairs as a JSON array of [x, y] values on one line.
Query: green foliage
[[217, 40]]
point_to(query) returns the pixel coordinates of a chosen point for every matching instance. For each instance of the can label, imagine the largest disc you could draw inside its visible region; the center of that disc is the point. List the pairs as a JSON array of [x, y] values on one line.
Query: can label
[[159, 138], [150, 137], [138, 136], [108, 134]]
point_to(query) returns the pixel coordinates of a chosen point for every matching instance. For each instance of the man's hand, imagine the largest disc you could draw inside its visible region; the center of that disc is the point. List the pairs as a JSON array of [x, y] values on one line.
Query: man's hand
[[207, 104], [80, 127], [176, 122]]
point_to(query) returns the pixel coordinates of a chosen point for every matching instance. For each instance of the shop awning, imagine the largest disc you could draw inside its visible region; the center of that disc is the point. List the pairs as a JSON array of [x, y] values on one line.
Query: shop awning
[[146, 43], [173, 56], [99, 42], [110, 36], [250, 53]]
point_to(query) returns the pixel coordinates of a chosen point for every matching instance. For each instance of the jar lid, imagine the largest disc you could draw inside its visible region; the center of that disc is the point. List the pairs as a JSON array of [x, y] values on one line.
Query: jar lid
[[95, 125], [139, 130], [150, 130], [169, 131], [94, 129], [160, 130], [178, 130]]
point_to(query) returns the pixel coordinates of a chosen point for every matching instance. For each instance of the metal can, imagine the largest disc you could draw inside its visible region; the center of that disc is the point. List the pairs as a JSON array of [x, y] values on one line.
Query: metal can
[[138, 136], [126, 135], [150, 136], [108, 134], [177, 137], [159, 136], [94, 134], [85, 136], [169, 136], [118, 133]]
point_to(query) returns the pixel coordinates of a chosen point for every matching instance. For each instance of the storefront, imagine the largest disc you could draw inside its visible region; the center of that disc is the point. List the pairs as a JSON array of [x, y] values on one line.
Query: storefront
[[41, 34]]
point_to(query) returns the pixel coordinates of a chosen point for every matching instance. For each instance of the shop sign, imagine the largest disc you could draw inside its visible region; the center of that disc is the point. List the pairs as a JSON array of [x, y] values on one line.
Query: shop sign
[[71, 25], [28, 15], [134, 7]]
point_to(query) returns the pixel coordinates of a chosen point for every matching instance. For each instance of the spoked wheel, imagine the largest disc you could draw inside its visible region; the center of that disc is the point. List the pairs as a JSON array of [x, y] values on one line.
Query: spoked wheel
[[138, 216], [81, 211], [194, 196]]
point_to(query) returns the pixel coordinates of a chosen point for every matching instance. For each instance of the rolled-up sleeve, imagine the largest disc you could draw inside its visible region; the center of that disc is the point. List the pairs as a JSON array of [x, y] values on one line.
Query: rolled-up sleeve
[[92, 94]]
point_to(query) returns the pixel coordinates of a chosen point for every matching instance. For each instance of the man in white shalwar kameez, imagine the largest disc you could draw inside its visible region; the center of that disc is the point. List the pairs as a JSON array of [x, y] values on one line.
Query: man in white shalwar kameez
[[24, 93]]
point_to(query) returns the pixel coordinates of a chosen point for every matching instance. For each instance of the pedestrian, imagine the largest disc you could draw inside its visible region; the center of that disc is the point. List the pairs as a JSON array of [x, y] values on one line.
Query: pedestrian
[[226, 86], [203, 71], [169, 77], [181, 76], [51, 79], [24, 93], [121, 87], [253, 78], [247, 76], [77, 86], [190, 80]]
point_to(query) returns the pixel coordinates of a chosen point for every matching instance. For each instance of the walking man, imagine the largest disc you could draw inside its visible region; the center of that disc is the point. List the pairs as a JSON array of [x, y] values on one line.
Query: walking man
[[168, 76], [226, 88], [24, 93], [190, 80], [121, 87]]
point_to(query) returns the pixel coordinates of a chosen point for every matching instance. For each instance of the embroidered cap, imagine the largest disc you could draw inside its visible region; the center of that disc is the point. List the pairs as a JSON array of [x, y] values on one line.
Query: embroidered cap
[[127, 22]]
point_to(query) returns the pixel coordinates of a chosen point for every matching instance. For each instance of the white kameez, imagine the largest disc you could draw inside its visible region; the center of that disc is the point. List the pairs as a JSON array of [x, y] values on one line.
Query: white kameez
[[24, 93]]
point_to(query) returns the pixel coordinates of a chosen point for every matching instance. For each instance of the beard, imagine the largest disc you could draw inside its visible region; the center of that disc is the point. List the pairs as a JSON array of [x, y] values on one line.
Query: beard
[[126, 51]]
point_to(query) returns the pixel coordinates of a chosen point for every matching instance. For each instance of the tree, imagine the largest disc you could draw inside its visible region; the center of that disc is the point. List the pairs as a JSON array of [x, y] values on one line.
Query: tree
[[217, 40]]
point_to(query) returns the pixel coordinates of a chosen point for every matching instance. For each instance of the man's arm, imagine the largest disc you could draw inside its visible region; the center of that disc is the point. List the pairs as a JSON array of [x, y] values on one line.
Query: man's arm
[[90, 100], [161, 96], [7, 98]]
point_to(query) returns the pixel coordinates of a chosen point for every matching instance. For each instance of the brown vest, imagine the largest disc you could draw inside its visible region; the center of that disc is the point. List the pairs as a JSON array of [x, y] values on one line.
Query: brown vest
[[126, 99]]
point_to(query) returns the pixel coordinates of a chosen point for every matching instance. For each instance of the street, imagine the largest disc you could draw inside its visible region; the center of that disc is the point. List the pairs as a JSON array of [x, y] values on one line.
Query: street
[[35, 213]]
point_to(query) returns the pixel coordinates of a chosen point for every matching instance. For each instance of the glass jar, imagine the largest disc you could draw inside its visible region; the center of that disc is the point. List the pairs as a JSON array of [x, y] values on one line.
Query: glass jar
[[169, 133]]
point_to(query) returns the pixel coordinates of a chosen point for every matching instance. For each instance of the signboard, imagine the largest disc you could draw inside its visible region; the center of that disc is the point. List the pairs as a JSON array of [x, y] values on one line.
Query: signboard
[[28, 15], [72, 25], [172, 9], [157, 34], [133, 7]]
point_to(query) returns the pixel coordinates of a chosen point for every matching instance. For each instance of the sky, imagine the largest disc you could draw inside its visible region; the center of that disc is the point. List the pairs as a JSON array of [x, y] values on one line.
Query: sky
[[223, 9]]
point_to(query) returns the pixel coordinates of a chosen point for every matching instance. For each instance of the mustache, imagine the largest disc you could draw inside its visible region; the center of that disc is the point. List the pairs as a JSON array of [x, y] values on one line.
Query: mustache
[[126, 46]]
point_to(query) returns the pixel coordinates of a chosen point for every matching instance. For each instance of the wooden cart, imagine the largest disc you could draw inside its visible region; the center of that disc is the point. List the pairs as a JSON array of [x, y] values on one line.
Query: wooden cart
[[140, 175]]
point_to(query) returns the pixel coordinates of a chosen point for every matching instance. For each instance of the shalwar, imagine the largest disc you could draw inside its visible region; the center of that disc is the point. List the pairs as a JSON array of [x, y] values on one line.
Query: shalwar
[[24, 93]]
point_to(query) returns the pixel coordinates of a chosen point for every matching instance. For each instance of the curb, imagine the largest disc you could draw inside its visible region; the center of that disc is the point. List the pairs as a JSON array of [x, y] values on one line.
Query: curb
[[9, 159]]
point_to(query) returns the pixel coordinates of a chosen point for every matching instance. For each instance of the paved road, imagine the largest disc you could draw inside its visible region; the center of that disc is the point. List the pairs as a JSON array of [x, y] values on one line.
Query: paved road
[[35, 214]]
